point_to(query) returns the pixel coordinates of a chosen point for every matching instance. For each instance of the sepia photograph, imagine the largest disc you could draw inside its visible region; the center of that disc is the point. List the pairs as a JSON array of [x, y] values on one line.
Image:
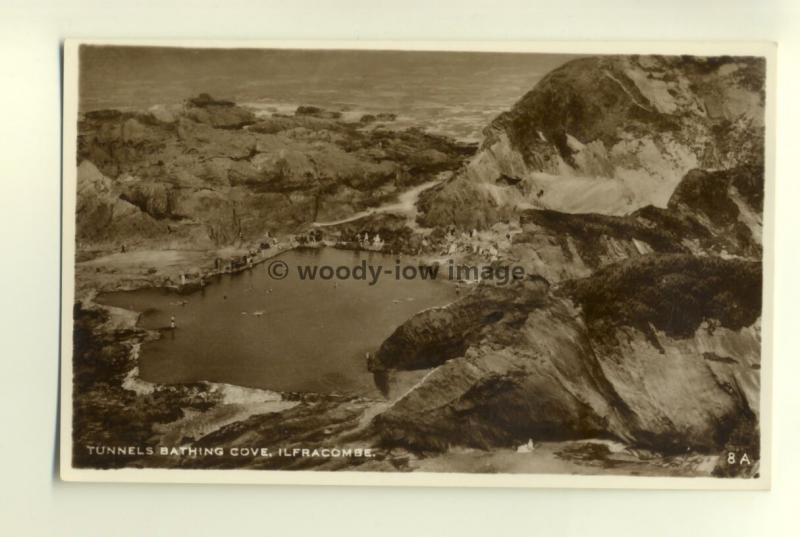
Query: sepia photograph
[[347, 263]]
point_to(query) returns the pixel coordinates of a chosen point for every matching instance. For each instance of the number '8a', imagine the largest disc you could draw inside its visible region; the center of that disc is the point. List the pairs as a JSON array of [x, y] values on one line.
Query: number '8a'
[[733, 459]]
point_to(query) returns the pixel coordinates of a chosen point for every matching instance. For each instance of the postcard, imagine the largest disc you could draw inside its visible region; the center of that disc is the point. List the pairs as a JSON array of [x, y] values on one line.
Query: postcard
[[390, 263]]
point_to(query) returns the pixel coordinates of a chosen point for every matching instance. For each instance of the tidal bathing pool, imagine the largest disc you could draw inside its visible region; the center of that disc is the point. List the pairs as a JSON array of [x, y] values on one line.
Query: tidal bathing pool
[[289, 335]]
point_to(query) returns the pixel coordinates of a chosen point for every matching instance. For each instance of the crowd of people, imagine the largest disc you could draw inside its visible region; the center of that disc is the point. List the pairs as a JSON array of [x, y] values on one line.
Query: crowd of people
[[487, 244]]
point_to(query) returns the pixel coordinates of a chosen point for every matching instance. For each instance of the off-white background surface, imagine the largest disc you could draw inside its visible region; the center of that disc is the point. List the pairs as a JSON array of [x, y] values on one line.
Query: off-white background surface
[[34, 502]]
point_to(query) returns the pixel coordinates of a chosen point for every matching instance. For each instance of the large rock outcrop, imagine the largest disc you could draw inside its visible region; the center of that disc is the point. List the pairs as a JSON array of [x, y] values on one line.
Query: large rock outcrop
[[102, 210], [211, 172], [218, 113], [609, 135], [660, 351], [711, 213], [649, 333]]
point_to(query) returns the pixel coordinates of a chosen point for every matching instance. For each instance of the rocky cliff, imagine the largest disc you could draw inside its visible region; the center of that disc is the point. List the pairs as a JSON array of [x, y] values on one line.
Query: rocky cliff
[[609, 135], [660, 351], [637, 185], [647, 333]]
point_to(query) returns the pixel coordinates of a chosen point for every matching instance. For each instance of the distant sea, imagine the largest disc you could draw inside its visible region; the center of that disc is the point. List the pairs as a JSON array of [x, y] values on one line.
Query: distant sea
[[450, 93]]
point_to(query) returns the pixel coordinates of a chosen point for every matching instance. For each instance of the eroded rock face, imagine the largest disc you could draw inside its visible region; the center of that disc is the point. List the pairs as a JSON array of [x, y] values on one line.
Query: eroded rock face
[[729, 203], [436, 335], [210, 173], [711, 213], [103, 214], [609, 135], [661, 352], [672, 339], [531, 376]]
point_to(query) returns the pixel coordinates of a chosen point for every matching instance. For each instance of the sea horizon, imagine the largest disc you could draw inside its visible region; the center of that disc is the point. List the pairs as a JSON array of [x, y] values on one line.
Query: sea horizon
[[454, 94]]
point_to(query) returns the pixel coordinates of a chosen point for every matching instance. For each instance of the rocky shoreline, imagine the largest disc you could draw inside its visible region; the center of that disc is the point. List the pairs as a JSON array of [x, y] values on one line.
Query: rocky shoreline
[[202, 416]]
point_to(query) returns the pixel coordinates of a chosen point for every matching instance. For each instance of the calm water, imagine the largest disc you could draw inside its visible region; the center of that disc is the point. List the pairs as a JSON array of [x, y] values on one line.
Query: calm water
[[450, 93], [312, 335]]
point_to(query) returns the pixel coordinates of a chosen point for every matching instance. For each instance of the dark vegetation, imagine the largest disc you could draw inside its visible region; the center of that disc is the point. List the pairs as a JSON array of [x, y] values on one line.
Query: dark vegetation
[[587, 229], [673, 293]]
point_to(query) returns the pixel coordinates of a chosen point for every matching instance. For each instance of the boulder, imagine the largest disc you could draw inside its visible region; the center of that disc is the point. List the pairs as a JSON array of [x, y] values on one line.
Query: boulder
[[315, 111], [164, 114], [218, 113]]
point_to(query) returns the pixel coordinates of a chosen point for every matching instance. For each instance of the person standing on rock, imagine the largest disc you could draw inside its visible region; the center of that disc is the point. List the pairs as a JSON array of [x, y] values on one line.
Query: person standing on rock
[[172, 322]]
